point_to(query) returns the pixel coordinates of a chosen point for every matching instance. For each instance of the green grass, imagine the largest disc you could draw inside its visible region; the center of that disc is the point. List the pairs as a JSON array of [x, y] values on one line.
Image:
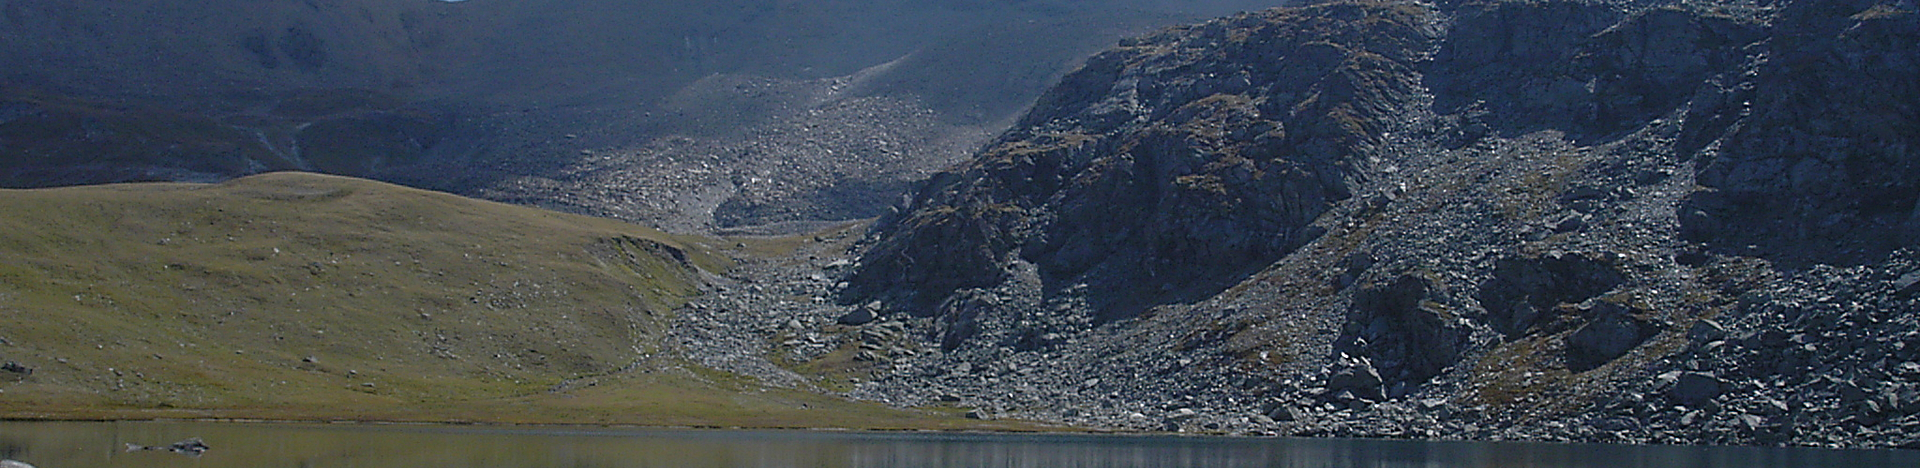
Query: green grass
[[304, 297]]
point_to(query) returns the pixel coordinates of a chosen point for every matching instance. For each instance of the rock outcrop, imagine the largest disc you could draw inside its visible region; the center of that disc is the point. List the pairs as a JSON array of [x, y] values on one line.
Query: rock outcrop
[[1169, 168], [1615, 221]]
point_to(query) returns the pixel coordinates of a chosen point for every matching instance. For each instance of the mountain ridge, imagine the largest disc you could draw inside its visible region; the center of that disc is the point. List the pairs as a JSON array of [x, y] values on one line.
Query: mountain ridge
[[1560, 220], [537, 101]]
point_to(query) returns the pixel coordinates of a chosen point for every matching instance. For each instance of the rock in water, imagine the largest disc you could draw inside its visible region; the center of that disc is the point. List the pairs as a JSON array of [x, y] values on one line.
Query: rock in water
[[13, 464], [190, 447]]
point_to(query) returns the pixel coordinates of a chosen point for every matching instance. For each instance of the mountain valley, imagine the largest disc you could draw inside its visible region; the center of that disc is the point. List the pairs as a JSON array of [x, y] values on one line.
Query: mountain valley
[[1610, 221]]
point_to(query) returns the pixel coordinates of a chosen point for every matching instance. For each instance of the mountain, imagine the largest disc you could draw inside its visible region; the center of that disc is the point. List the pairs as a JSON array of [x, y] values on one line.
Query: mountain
[[293, 296], [1599, 221], [693, 117], [1621, 221]]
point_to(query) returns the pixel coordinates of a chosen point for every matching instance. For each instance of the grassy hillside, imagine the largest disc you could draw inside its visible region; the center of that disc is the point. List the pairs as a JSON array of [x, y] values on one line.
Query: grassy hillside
[[298, 296]]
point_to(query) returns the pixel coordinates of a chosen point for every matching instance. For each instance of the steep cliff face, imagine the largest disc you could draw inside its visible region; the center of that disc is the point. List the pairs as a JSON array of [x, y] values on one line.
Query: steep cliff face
[[1815, 161], [1567, 220], [1170, 167]]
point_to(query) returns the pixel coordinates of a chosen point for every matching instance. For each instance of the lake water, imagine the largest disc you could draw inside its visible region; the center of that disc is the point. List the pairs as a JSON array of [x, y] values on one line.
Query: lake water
[[90, 445]]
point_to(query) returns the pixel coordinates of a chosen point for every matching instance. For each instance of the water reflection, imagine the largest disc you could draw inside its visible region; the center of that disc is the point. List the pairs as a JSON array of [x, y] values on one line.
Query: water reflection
[[84, 445]]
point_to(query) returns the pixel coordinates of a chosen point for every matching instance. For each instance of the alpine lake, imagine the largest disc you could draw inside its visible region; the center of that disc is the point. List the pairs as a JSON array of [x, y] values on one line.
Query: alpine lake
[[267, 445]]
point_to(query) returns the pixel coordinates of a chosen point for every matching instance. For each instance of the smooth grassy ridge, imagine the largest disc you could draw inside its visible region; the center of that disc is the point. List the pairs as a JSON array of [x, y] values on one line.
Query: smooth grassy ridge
[[304, 297]]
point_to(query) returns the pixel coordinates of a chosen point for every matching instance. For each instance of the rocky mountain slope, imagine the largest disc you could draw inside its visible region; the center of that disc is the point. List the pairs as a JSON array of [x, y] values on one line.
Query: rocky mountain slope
[[1643, 221], [1612, 221], [693, 117]]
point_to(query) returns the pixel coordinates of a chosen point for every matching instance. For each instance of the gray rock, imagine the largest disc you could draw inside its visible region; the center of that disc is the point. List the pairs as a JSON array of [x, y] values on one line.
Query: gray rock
[[1908, 369], [1907, 400], [1695, 388], [1610, 332], [1359, 380], [1706, 331], [1908, 283], [1615, 424], [1262, 420], [860, 316], [1525, 290], [1571, 222], [1849, 391], [1282, 413], [1403, 332]]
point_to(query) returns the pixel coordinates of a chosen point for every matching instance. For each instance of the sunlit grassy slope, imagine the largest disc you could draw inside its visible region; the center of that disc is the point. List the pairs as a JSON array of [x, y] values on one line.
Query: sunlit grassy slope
[[299, 296]]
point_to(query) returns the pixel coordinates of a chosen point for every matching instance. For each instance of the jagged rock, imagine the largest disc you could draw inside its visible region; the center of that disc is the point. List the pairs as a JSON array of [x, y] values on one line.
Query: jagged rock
[[1906, 400], [1820, 170], [1611, 330], [1770, 407], [1706, 331], [1908, 284], [1358, 379], [959, 317], [1147, 182], [1571, 222], [1405, 329], [1525, 291], [1282, 413]]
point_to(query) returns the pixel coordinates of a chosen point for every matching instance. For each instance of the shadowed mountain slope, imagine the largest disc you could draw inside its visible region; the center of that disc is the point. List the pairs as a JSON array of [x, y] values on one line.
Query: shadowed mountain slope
[[657, 112]]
